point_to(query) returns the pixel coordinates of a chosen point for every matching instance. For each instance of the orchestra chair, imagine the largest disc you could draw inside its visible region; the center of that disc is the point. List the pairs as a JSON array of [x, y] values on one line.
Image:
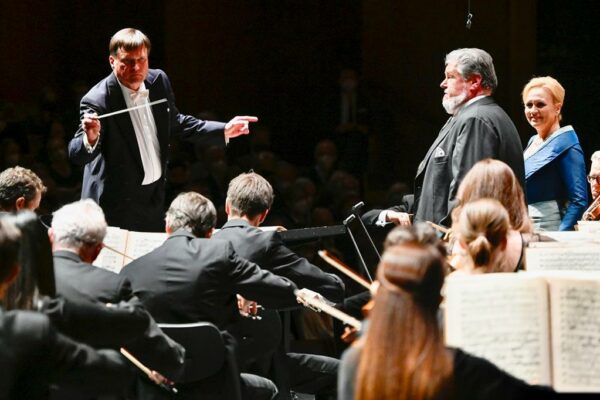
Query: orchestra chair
[[210, 367]]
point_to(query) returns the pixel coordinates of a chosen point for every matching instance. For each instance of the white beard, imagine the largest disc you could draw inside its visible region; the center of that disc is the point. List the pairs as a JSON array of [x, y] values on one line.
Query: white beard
[[452, 104]]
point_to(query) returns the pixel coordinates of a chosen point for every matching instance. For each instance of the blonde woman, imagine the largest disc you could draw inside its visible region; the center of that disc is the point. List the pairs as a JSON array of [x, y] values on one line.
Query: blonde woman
[[555, 177]]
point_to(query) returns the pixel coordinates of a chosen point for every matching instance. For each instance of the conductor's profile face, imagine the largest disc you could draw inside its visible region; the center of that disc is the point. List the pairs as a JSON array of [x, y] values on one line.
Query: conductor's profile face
[[130, 67]]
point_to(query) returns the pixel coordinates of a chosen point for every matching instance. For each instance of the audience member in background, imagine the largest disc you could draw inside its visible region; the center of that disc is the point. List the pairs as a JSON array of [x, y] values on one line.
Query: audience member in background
[[20, 188], [352, 129], [34, 355], [494, 179], [325, 162], [554, 163], [403, 353]]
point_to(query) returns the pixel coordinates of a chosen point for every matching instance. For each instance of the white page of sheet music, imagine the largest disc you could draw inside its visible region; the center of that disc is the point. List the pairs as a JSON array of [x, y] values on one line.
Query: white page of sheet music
[[108, 259], [503, 318], [575, 314], [142, 243], [557, 256]]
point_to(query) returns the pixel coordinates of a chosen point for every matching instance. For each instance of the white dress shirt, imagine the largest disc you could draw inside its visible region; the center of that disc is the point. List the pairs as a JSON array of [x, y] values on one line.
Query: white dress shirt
[[145, 132]]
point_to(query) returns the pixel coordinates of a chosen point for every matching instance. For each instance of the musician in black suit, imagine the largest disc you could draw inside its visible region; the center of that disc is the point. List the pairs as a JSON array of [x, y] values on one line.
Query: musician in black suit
[[77, 232], [20, 188], [249, 199], [190, 278], [125, 156], [33, 354]]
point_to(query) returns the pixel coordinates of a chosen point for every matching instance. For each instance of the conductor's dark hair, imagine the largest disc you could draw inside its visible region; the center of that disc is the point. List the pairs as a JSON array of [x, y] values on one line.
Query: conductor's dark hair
[[128, 39]]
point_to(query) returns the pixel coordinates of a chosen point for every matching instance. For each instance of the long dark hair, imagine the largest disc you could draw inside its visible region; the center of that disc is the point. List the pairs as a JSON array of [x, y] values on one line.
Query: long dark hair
[[37, 269], [403, 353]]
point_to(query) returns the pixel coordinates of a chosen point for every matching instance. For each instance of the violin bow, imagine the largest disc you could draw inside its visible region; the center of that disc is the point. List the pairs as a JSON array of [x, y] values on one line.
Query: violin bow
[[340, 266], [147, 371], [330, 310]]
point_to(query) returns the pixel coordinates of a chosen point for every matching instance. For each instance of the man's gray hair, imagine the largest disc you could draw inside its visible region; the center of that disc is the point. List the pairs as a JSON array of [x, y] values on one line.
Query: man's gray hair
[[79, 224], [475, 61], [249, 194], [596, 156], [193, 212]]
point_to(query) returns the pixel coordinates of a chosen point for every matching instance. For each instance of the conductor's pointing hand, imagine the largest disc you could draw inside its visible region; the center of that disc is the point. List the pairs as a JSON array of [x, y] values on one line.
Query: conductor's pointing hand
[[239, 125]]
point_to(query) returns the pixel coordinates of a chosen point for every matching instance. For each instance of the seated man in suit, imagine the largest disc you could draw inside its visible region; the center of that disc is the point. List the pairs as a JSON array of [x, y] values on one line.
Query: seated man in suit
[[20, 188], [33, 354], [77, 232], [191, 278], [249, 199]]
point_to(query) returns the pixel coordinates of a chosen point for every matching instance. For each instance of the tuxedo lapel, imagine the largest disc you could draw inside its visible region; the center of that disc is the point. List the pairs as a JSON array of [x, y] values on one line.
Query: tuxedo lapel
[[441, 136], [123, 121]]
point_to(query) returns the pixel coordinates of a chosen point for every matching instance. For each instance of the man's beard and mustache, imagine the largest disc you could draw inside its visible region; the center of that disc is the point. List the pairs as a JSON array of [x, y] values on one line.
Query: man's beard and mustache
[[453, 103]]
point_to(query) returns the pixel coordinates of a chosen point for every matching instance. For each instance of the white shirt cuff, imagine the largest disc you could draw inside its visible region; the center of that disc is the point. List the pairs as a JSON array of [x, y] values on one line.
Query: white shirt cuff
[[89, 148], [382, 219]]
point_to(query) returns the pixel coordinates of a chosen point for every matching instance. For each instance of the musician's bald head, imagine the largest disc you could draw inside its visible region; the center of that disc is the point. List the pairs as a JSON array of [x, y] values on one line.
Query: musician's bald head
[[192, 212], [249, 195]]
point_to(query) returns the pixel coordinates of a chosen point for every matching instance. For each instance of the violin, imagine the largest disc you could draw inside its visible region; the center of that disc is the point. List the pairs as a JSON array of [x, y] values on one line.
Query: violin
[[593, 211]]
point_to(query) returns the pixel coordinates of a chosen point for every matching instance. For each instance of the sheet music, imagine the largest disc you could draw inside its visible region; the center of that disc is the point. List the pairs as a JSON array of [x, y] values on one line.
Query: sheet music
[[575, 311], [569, 257], [569, 236], [108, 259], [503, 318], [588, 226], [142, 243]]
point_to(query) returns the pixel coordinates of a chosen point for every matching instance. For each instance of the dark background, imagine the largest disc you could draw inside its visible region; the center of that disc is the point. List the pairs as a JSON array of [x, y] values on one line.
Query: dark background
[[281, 59]]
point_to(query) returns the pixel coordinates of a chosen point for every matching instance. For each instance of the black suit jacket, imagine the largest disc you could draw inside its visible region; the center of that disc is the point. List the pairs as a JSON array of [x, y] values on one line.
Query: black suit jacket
[[80, 281], [269, 252], [33, 355], [113, 172], [188, 279], [478, 131]]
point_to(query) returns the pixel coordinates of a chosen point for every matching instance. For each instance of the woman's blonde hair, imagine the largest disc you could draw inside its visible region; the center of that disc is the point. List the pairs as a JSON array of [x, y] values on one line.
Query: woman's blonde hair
[[482, 227], [546, 82]]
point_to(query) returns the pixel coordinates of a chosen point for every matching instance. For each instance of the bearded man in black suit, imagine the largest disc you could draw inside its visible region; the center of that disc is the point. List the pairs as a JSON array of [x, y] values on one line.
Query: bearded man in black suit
[[477, 129]]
